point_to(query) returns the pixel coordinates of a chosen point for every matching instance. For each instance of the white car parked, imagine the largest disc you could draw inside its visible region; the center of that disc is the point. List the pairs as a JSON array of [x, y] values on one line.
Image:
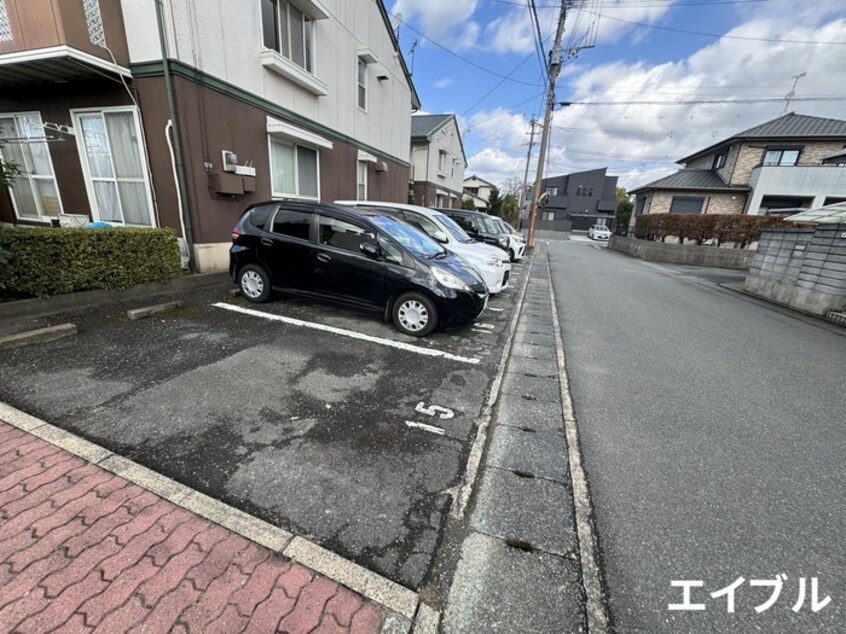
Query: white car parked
[[516, 240], [599, 232], [491, 263]]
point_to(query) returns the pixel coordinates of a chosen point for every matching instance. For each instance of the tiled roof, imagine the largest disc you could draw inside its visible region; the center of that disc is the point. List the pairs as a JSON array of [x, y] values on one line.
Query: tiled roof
[[797, 125], [690, 179], [422, 125]]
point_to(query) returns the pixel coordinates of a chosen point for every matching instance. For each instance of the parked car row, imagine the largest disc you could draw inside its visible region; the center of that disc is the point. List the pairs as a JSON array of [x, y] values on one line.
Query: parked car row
[[412, 265]]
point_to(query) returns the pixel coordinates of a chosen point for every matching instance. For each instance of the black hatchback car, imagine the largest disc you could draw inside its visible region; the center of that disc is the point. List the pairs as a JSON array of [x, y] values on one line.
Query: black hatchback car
[[478, 225], [360, 258]]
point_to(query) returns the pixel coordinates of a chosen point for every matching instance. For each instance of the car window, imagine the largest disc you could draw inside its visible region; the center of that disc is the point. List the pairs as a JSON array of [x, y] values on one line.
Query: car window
[[409, 237], [343, 235], [260, 215], [455, 230], [390, 251], [294, 224], [488, 224], [419, 222]]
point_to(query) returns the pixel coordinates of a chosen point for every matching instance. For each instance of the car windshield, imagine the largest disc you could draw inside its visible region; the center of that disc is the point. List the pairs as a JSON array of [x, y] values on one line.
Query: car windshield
[[409, 237], [450, 225]]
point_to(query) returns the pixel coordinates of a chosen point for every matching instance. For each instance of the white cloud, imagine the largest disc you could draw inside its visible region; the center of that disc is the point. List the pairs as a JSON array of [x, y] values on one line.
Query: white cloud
[[446, 82], [640, 142], [438, 18]]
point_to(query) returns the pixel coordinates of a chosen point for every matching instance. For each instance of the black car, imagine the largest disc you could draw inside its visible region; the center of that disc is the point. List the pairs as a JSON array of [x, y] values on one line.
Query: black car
[[357, 257], [478, 225]]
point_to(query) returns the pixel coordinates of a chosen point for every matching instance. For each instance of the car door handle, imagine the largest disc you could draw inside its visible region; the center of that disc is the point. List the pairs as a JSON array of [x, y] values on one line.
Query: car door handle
[[323, 257], [267, 242]]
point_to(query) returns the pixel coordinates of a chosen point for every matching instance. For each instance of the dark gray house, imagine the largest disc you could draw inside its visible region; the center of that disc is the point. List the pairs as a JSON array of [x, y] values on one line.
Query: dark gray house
[[579, 200]]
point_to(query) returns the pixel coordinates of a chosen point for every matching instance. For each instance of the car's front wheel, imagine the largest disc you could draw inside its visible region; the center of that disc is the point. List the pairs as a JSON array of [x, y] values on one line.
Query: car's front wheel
[[254, 283], [415, 314]]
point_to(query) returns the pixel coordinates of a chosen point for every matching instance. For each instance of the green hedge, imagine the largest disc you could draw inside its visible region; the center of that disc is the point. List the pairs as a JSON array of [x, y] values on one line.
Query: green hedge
[[741, 230], [45, 261]]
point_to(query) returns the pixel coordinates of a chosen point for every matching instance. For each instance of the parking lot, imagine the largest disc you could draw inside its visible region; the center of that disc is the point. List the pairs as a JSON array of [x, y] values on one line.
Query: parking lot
[[323, 421]]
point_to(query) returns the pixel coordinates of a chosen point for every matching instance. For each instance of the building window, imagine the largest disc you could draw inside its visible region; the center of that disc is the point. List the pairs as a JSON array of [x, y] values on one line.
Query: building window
[[782, 156], [579, 190], [288, 31], [720, 160], [549, 215], [115, 167], [639, 205], [552, 191], [293, 170], [362, 84], [589, 191], [361, 181], [35, 195], [686, 205], [442, 161]]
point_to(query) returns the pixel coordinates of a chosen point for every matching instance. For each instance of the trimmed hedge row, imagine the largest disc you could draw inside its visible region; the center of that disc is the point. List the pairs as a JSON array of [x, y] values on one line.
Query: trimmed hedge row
[[45, 261], [741, 230]]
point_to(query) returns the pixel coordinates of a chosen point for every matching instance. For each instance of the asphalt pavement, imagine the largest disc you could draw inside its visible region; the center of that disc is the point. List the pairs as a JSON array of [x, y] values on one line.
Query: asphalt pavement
[[712, 429], [329, 423]]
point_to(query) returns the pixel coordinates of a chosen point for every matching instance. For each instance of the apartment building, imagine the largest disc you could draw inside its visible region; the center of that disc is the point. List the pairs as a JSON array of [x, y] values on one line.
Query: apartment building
[[180, 113], [439, 161]]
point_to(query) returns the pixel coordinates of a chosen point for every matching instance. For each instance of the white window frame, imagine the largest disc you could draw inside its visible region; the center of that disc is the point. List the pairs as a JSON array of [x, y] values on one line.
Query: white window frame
[[28, 175], [361, 65], [293, 144], [283, 21], [76, 115], [361, 169]]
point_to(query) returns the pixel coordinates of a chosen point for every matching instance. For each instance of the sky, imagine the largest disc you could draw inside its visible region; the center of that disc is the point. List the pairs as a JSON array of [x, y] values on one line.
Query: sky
[[480, 60]]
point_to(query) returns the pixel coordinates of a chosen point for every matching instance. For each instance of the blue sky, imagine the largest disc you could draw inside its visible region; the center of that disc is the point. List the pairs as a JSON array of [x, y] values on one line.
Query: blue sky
[[760, 45]]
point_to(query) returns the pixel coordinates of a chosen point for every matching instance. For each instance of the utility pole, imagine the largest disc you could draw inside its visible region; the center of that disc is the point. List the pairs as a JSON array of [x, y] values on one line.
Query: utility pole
[[555, 62], [526, 174]]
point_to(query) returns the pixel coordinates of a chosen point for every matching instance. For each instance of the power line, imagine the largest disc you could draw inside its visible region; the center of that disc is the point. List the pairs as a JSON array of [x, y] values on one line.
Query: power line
[[716, 35], [533, 16], [621, 4], [461, 57], [695, 102]]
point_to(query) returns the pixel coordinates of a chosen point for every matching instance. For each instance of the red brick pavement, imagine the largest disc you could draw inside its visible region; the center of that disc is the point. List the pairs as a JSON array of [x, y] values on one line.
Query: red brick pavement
[[83, 550]]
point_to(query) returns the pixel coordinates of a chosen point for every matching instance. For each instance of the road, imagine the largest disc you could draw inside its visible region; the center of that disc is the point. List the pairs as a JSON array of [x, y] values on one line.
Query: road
[[712, 430]]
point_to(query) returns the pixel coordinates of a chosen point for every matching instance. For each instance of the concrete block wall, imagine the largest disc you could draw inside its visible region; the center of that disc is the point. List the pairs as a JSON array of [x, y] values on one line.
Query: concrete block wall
[[802, 268], [692, 254]]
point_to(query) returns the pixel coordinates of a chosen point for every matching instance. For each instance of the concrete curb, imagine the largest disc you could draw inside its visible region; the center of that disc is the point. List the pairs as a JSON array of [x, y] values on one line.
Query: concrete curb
[[40, 335], [151, 311], [403, 606], [86, 299]]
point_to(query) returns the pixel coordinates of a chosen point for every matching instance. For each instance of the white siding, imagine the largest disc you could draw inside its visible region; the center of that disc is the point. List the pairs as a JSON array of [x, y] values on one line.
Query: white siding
[[224, 39]]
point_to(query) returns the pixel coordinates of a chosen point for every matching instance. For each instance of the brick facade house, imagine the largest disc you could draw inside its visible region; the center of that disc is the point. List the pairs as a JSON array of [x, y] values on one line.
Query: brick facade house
[[794, 161]]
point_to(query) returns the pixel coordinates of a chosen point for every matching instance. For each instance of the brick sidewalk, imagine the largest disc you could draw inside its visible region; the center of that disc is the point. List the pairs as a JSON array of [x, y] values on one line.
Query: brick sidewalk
[[83, 550]]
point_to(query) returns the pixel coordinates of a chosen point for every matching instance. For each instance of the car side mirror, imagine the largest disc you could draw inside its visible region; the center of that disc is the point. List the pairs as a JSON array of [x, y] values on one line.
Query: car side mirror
[[441, 237], [370, 249]]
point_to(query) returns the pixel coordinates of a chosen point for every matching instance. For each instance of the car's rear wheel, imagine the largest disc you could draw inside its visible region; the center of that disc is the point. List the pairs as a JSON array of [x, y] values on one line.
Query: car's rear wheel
[[415, 314], [254, 283]]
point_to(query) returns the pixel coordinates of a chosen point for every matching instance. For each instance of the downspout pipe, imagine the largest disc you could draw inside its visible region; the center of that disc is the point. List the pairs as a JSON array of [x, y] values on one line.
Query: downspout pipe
[[188, 233]]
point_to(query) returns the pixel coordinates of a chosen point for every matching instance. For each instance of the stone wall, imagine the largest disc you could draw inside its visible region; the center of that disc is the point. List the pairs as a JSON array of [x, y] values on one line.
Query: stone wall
[[801, 268], [692, 254]]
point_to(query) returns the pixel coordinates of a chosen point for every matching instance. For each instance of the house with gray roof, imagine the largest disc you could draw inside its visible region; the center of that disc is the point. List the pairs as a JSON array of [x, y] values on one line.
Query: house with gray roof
[[794, 161], [438, 160]]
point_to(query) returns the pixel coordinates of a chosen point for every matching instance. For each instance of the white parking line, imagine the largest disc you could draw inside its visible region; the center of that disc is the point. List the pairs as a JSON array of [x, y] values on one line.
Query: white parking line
[[495, 310], [429, 352], [485, 326], [425, 427]]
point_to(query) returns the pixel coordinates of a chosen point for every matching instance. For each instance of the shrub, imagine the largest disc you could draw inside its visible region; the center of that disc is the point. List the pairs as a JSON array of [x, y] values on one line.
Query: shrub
[[741, 230], [52, 261]]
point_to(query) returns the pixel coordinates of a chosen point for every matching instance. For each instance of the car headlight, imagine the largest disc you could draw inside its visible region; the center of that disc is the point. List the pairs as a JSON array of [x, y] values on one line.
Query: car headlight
[[449, 280], [494, 261]]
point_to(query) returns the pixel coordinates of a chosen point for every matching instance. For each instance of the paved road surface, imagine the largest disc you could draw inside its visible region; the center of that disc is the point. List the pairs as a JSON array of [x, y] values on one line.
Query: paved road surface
[[714, 439]]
